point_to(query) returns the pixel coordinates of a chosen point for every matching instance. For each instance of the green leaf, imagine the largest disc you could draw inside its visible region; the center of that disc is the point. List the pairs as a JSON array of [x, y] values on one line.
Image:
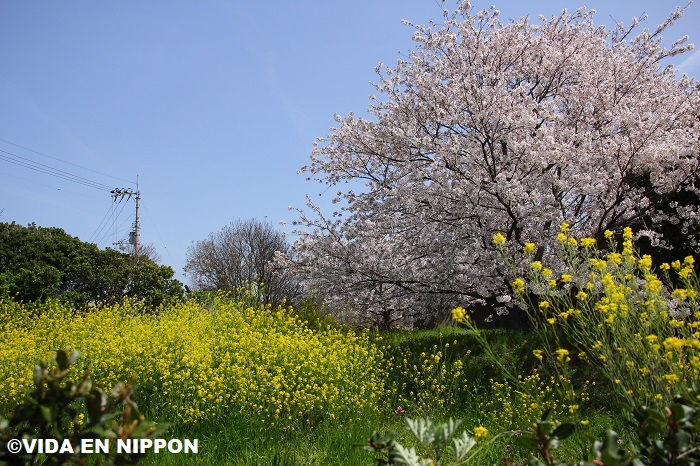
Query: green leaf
[[681, 413], [93, 405], [39, 372], [46, 413], [61, 359], [564, 430], [407, 456], [422, 429], [444, 432], [462, 445], [528, 441]]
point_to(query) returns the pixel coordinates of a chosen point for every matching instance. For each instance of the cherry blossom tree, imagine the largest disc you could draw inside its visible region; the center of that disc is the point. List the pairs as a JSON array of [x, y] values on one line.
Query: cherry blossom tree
[[496, 127]]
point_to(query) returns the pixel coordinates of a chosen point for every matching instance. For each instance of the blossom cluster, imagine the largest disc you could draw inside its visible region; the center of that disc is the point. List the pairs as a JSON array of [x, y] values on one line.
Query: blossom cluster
[[193, 364], [489, 126]]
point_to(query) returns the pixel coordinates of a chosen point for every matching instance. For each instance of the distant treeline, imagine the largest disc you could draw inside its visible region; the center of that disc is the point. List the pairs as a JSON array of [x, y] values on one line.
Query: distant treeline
[[37, 263]]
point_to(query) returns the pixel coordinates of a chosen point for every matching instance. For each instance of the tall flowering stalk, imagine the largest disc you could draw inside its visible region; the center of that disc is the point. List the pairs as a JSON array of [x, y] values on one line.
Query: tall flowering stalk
[[614, 312]]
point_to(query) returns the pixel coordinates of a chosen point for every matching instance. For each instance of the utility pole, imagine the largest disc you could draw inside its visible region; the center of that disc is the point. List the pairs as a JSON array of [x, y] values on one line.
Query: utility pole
[[121, 193], [137, 223]]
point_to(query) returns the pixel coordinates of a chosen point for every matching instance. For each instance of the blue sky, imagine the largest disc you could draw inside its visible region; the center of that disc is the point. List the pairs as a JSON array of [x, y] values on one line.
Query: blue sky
[[213, 104]]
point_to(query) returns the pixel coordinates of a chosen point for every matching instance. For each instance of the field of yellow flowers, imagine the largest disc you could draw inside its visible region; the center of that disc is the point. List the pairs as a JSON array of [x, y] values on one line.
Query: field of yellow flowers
[[193, 363]]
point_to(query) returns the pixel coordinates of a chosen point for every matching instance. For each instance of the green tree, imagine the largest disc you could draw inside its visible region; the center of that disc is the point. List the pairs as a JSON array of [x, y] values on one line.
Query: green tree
[[37, 263]]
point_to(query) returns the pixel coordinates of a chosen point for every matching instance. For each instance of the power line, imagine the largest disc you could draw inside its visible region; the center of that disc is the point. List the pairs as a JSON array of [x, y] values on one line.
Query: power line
[[69, 163], [100, 227], [40, 167], [158, 233], [62, 190]]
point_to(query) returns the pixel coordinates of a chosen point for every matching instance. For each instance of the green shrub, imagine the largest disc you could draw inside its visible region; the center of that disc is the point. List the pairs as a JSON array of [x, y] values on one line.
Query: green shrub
[[71, 413]]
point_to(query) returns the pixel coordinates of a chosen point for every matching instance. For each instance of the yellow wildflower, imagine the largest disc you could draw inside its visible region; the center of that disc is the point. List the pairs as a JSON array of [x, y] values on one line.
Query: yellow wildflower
[[588, 242], [480, 432], [673, 343], [680, 293], [499, 239], [459, 314], [615, 258], [562, 354], [644, 263], [529, 248], [518, 285]]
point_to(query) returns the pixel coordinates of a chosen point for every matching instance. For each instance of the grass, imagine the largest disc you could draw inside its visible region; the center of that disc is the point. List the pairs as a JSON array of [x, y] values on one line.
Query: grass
[[239, 441], [440, 373]]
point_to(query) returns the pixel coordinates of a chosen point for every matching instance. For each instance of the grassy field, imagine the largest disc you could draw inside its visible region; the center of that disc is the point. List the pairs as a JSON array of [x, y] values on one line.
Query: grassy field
[[238, 441], [258, 386]]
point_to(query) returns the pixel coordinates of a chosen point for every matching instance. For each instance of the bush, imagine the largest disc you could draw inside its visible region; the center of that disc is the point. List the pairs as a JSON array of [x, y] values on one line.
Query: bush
[[72, 412]]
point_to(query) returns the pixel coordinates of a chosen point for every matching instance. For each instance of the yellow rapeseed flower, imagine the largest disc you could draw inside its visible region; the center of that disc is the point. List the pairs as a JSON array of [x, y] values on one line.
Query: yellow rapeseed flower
[[644, 263], [588, 242], [615, 258], [562, 354], [499, 239], [673, 343], [518, 285], [458, 314]]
